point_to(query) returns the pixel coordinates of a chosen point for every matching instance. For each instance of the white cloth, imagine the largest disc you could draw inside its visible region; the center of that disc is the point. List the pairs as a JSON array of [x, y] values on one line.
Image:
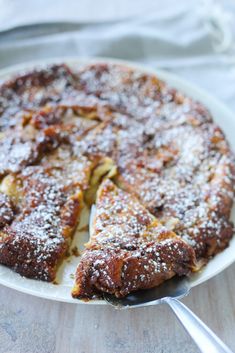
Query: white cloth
[[191, 38]]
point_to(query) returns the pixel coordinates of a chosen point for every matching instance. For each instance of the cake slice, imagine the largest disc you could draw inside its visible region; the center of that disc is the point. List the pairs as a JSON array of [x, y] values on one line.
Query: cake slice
[[128, 249], [41, 215]]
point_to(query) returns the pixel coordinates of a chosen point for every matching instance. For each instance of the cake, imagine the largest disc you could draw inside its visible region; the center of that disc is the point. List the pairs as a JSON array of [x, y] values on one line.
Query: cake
[[158, 168]]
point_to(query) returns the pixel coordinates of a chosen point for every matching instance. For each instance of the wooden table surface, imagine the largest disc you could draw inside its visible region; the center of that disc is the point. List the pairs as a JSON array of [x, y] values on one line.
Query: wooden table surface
[[33, 325]]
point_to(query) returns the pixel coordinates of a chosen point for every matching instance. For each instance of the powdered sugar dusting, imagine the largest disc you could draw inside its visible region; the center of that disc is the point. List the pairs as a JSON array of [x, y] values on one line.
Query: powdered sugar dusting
[[173, 163]]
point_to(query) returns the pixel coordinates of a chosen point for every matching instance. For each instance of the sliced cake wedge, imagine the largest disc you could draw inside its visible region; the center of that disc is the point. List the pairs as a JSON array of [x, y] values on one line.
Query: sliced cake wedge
[[39, 222], [128, 249]]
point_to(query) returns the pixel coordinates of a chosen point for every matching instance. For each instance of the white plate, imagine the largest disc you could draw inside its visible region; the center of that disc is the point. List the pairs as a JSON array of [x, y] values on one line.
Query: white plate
[[61, 292]]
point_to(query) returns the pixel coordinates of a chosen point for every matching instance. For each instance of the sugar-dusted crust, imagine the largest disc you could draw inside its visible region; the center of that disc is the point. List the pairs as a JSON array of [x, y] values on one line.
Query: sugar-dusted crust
[[185, 172], [109, 121], [129, 249], [170, 154], [46, 214]]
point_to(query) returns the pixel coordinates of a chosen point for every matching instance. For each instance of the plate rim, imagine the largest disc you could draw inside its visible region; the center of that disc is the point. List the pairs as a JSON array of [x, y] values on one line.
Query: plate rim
[[190, 89]]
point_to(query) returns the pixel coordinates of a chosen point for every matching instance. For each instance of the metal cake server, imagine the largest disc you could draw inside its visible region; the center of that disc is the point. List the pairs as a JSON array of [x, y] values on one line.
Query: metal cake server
[[169, 293]]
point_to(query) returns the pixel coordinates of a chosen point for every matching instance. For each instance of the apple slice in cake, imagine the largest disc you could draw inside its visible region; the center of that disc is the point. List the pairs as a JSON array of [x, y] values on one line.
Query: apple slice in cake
[[129, 249]]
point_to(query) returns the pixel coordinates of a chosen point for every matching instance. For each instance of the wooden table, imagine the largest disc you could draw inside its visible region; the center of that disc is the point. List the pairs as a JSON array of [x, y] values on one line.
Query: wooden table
[[33, 325]]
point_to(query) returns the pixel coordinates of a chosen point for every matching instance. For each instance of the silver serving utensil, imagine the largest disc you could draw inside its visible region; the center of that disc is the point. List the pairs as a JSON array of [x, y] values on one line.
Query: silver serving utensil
[[169, 293]]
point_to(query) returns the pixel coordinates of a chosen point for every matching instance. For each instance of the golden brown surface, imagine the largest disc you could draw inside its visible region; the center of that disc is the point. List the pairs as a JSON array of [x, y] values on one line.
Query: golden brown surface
[[129, 248], [72, 129], [46, 214]]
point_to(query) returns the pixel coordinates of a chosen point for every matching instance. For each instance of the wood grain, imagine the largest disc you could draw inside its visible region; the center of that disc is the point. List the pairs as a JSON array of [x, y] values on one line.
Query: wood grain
[[32, 325]]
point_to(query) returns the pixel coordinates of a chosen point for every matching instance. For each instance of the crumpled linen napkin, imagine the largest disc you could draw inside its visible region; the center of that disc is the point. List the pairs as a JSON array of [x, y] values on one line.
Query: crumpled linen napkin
[[193, 39]]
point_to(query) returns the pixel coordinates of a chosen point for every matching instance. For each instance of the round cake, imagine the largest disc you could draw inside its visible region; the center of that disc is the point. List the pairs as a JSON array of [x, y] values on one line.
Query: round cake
[[158, 168]]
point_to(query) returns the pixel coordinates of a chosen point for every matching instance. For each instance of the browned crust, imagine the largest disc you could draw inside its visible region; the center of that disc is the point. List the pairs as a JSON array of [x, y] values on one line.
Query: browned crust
[[40, 232], [129, 250], [119, 271]]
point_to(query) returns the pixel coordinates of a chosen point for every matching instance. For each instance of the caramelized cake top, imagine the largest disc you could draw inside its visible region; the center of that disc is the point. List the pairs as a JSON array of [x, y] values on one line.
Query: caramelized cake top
[[128, 249], [160, 147]]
